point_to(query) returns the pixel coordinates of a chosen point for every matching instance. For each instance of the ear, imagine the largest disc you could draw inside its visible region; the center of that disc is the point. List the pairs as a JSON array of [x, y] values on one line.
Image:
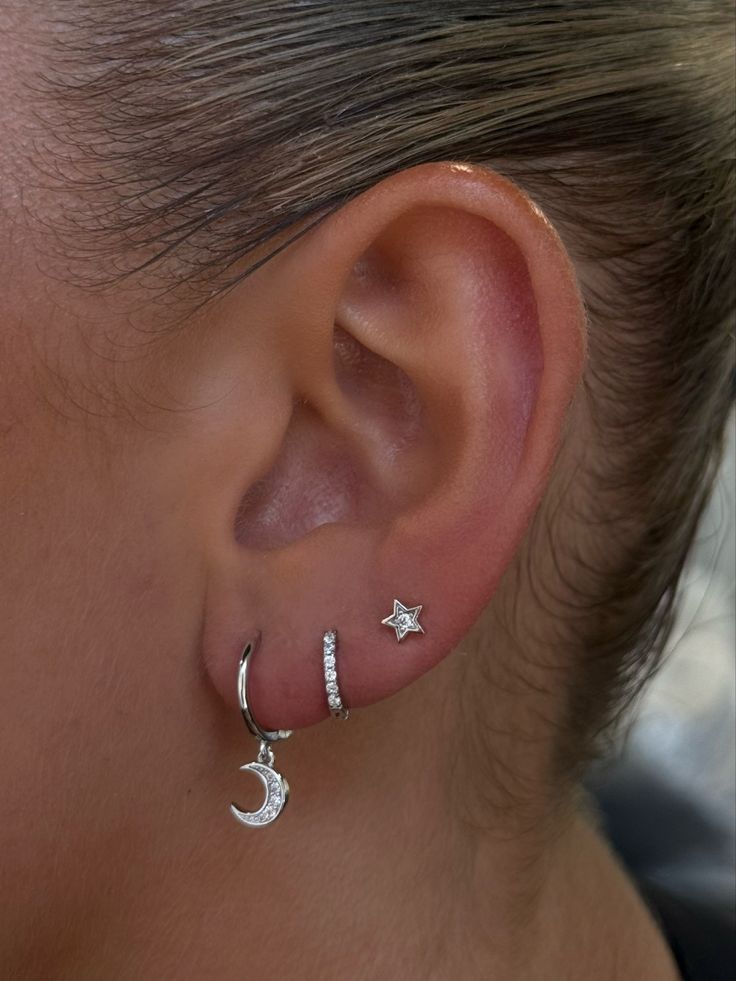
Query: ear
[[395, 385]]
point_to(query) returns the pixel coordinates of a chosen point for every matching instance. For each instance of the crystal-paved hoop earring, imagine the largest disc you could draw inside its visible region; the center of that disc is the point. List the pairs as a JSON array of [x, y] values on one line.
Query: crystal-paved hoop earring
[[275, 785], [332, 687]]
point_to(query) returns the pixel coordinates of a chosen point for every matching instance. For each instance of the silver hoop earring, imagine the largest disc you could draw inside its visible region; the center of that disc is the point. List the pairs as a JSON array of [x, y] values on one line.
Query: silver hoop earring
[[332, 687], [274, 784]]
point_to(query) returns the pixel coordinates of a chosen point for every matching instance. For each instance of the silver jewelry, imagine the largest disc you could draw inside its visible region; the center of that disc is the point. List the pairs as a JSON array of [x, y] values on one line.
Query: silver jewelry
[[275, 785], [404, 620], [334, 698]]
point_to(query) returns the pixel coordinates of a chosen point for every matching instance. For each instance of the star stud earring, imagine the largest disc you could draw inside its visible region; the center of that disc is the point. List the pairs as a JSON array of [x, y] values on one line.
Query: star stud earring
[[404, 620]]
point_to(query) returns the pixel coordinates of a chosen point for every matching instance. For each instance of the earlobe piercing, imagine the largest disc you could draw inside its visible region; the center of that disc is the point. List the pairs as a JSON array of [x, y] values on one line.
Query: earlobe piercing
[[275, 785], [404, 620], [334, 698]]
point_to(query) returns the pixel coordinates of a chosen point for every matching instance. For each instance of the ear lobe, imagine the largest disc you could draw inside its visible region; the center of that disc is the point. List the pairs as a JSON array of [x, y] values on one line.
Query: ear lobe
[[427, 425]]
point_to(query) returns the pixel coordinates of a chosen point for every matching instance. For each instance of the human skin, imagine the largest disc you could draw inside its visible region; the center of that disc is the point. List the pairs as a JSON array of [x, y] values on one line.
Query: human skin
[[164, 495]]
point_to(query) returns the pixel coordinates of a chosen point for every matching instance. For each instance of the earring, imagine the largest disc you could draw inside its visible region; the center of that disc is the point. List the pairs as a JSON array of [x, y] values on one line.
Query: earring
[[334, 698], [404, 620], [274, 784]]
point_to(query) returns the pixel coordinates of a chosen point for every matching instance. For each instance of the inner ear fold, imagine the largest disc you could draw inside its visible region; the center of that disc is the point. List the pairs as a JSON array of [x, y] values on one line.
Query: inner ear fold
[[446, 295], [378, 390], [332, 470], [435, 325]]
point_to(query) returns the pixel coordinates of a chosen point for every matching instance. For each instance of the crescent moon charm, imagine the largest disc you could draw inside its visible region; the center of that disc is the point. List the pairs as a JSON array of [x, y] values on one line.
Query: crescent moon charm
[[276, 787], [277, 794]]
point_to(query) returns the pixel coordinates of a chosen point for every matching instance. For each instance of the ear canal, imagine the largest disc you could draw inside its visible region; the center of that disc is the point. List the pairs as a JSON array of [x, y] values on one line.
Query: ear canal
[[330, 470], [312, 482]]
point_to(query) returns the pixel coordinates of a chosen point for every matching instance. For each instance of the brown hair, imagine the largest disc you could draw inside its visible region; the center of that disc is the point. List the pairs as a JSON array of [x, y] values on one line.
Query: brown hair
[[197, 131]]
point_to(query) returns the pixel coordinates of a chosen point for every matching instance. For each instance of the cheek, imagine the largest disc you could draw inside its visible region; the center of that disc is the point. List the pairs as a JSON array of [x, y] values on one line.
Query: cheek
[[100, 700]]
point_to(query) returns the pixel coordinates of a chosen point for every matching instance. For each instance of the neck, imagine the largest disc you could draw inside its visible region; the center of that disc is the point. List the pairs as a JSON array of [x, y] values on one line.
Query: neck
[[374, 872]]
